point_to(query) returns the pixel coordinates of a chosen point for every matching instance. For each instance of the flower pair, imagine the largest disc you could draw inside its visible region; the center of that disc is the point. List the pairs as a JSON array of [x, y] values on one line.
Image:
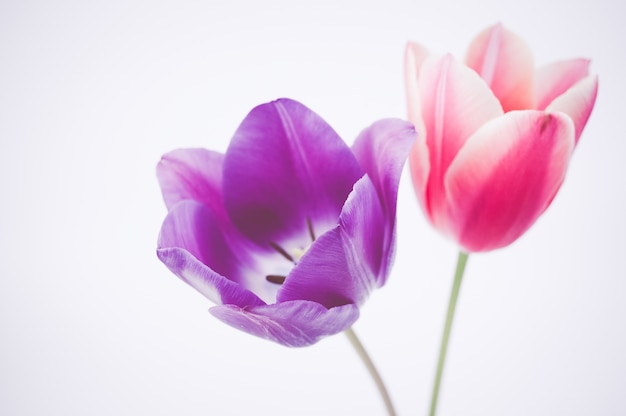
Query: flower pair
[[290, 229]]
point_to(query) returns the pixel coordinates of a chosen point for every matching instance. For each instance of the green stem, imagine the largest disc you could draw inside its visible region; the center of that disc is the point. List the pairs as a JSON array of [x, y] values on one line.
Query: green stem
[[456, 287], [356, 343]]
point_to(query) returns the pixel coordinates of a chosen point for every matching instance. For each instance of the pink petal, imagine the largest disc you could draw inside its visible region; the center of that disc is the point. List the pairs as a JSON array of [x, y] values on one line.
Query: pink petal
[[506, 176], [505, 62], [419, 166], [455, 103], [414, 57], [554, 79], [578, 102]]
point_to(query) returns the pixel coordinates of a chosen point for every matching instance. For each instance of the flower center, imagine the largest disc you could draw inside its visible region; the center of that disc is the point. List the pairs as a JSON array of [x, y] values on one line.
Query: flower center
[[298, 252], [294, 255]]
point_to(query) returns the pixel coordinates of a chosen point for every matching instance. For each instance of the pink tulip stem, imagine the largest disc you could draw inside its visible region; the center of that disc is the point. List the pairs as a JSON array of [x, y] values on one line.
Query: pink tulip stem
[[454, 295], [369, 364]]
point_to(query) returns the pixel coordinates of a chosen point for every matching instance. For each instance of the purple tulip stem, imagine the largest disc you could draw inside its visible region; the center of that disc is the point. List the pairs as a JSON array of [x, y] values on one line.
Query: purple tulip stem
[[358, 346], [454, 295]]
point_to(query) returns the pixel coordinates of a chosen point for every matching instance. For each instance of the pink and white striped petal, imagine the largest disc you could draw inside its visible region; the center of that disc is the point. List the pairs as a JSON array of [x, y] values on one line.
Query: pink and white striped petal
[[419, 167], [578, 102], [505, 62], [414, 56], [554, 79], [505, 177], [456, 102]]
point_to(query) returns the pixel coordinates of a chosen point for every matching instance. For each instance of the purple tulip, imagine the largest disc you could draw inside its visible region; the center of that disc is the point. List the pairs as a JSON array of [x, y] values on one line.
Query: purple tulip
[[290, 229]]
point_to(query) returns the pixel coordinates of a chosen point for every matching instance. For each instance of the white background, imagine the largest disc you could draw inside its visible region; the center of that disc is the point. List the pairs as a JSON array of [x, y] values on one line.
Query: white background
[[91, 323]]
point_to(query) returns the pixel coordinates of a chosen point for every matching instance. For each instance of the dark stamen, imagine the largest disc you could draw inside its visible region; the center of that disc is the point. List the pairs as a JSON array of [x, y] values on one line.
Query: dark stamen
[[282, 251], [275, 278], [311, 232]]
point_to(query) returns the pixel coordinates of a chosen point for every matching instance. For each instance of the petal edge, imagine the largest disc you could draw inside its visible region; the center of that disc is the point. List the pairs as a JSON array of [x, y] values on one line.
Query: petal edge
[[506, 176], [505, 62], [293, 324], [578, 102]]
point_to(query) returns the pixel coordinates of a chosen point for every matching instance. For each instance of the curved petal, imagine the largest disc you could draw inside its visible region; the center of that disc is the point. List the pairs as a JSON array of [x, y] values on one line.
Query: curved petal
[[505, 62], [294, 324], [455, 103], [554, 79], [342, 265], [212, 285], [578, 102], [194, 228], [285, 167], [382, 150], [419, 167], [414, 57], [506, 175], [191, 174]]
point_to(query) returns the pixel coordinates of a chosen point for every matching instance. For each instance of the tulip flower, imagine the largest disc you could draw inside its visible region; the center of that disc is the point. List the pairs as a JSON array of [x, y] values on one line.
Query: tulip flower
[[495, 135], [289, 230]]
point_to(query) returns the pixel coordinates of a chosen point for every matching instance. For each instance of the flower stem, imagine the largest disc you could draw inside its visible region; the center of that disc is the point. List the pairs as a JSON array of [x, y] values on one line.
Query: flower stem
[[356, 343], [454, 295]]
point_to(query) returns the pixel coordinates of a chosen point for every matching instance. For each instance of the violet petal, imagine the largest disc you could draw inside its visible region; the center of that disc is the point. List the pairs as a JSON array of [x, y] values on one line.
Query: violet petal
[[285, 167], [192, 174], [296, 323], [214, 286], [195, 228], [382, 151], [341, 266]]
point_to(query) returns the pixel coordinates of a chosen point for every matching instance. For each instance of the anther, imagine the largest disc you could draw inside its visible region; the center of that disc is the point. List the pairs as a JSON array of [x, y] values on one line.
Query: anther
[[282, 251], [275, 278], [311, 232]]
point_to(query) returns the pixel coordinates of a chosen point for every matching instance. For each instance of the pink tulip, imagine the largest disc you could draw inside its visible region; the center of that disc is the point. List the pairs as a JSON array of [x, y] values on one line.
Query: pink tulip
[[495, 135]]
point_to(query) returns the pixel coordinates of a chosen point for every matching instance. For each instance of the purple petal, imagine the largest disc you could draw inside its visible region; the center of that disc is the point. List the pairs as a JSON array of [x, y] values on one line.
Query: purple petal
[[294, 324], [285, 167], [192, 174], [195, 228], [215, 287], [341, 266], [382, 150]]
